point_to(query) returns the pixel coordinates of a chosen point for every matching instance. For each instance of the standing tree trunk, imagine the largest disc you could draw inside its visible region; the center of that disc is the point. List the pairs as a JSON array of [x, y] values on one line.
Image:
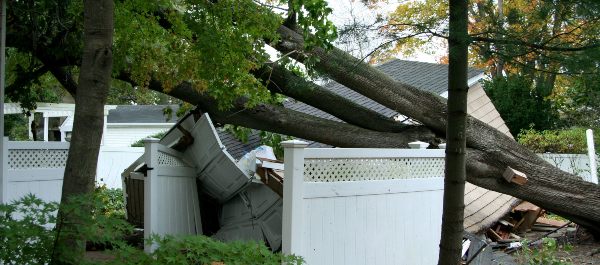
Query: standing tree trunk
[[454, 182], [94, 82]]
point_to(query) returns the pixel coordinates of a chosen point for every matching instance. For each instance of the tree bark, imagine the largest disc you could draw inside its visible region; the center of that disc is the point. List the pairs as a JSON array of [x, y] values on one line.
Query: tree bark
[[94, 82], [282, 81], [455, 169], [490, 151], [289, 122]]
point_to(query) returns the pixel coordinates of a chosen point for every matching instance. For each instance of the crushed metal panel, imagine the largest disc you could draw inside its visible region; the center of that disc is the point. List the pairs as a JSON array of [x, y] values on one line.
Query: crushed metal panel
[[257, 205], [206, 143], [251, 203], [241, 231], [270, 223], [221, 178]]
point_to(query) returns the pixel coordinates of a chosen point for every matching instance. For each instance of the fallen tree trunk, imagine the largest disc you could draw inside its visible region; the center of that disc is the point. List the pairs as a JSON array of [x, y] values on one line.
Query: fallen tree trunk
[[570, 197], [490, 150]]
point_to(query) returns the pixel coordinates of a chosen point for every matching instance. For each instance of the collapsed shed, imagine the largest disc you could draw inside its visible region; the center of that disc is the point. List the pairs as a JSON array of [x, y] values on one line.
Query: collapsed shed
[[188, 183], [236, 205]]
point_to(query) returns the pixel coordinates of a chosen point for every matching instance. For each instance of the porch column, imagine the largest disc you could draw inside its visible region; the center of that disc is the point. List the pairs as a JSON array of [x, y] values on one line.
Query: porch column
[[45, 128]]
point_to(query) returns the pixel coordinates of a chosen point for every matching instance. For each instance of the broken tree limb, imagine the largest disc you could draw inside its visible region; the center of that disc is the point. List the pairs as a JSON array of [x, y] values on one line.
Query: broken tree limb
[[569, 197], [282, 81], [490, 151], [285, 121]]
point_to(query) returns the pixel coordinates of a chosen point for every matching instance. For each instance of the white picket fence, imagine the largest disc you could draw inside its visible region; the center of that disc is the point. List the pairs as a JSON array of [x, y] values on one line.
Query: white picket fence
[[38, 168], [362, 206]]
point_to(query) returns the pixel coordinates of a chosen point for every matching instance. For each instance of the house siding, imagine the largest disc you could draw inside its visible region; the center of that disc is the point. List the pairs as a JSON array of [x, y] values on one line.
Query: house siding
[[482, 206], [480, 107]]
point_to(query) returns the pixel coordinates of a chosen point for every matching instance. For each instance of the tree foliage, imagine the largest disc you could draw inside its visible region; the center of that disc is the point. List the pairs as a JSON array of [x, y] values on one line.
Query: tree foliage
[[540, 41], [520, 105]]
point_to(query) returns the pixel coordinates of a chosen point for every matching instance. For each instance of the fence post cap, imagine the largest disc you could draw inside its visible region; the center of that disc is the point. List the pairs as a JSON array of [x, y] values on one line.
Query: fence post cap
[[151, 140], [294, 144], [418, 145]]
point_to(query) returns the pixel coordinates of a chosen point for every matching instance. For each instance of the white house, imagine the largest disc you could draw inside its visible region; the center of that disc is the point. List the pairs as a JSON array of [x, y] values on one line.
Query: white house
[[123, 124]]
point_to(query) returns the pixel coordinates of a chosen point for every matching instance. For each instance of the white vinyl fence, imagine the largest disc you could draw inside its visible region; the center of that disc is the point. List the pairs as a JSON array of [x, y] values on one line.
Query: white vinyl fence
[[112, 161], [170, 201], [578, 164], [33, 167], [362, 206], [38, 168]]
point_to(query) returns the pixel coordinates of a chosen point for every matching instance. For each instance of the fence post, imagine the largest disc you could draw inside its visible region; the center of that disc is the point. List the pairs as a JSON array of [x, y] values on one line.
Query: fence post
[[150, 189], [4, 171], [592, 155], [292, 196]]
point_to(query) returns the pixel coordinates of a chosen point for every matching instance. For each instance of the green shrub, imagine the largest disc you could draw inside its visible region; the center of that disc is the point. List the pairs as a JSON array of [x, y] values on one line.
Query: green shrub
[[545, 254], [140, 142], [202, 250], [571, 141], [111, 201], [26, 239]]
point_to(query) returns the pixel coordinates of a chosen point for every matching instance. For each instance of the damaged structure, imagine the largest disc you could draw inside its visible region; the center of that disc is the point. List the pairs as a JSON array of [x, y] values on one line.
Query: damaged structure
[[334, 205], [236, 206]]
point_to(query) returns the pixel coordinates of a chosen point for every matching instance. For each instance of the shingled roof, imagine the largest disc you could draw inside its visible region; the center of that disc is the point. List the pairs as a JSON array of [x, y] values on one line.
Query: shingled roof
[[141, 114], [425, 76]]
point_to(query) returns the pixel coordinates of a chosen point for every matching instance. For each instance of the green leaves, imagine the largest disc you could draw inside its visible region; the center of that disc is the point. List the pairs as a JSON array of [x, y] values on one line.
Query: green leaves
[[203, 250], [24, 236]]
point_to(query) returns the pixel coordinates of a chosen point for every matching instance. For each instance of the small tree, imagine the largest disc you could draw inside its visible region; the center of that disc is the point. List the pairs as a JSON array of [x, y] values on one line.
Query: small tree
[[94, 82], [454, 182]]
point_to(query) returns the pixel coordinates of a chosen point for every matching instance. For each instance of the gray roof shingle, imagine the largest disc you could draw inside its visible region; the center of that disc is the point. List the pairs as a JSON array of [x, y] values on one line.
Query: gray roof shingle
[[141, 114], [425, 76]]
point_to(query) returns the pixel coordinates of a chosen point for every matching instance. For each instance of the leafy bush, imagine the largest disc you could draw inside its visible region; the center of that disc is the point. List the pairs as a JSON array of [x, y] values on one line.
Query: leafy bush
[[545, 254], [111, 201], [26, 236], [521, 104], [571, 141], [140, 142], [202, 250]]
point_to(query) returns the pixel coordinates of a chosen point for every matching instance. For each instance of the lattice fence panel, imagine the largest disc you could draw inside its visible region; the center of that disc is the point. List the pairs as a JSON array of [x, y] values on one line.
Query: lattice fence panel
[[165, 159], [359, 169], [37, 158]]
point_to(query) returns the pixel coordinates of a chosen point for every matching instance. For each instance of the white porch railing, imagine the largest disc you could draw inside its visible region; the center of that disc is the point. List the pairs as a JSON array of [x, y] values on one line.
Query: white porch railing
[[362, 206]]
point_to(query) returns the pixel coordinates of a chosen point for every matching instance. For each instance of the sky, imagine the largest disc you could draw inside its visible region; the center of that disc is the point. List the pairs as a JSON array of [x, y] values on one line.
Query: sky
[[347, 11]]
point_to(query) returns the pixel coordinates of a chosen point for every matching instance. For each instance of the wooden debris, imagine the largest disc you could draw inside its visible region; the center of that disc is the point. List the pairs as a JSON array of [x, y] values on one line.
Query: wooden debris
[[272, 178], [514, 176], [494, 235], [529, 213], [549, 222]]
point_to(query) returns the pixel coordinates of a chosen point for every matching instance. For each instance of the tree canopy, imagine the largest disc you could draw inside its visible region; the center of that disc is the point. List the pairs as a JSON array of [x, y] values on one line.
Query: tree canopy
[[213, 54], [552, 45]]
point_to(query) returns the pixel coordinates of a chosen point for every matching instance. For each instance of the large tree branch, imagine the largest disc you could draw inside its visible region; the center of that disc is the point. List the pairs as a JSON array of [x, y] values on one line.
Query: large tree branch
[[285, 121], [491, 151], [65, 78], [282, 81]]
